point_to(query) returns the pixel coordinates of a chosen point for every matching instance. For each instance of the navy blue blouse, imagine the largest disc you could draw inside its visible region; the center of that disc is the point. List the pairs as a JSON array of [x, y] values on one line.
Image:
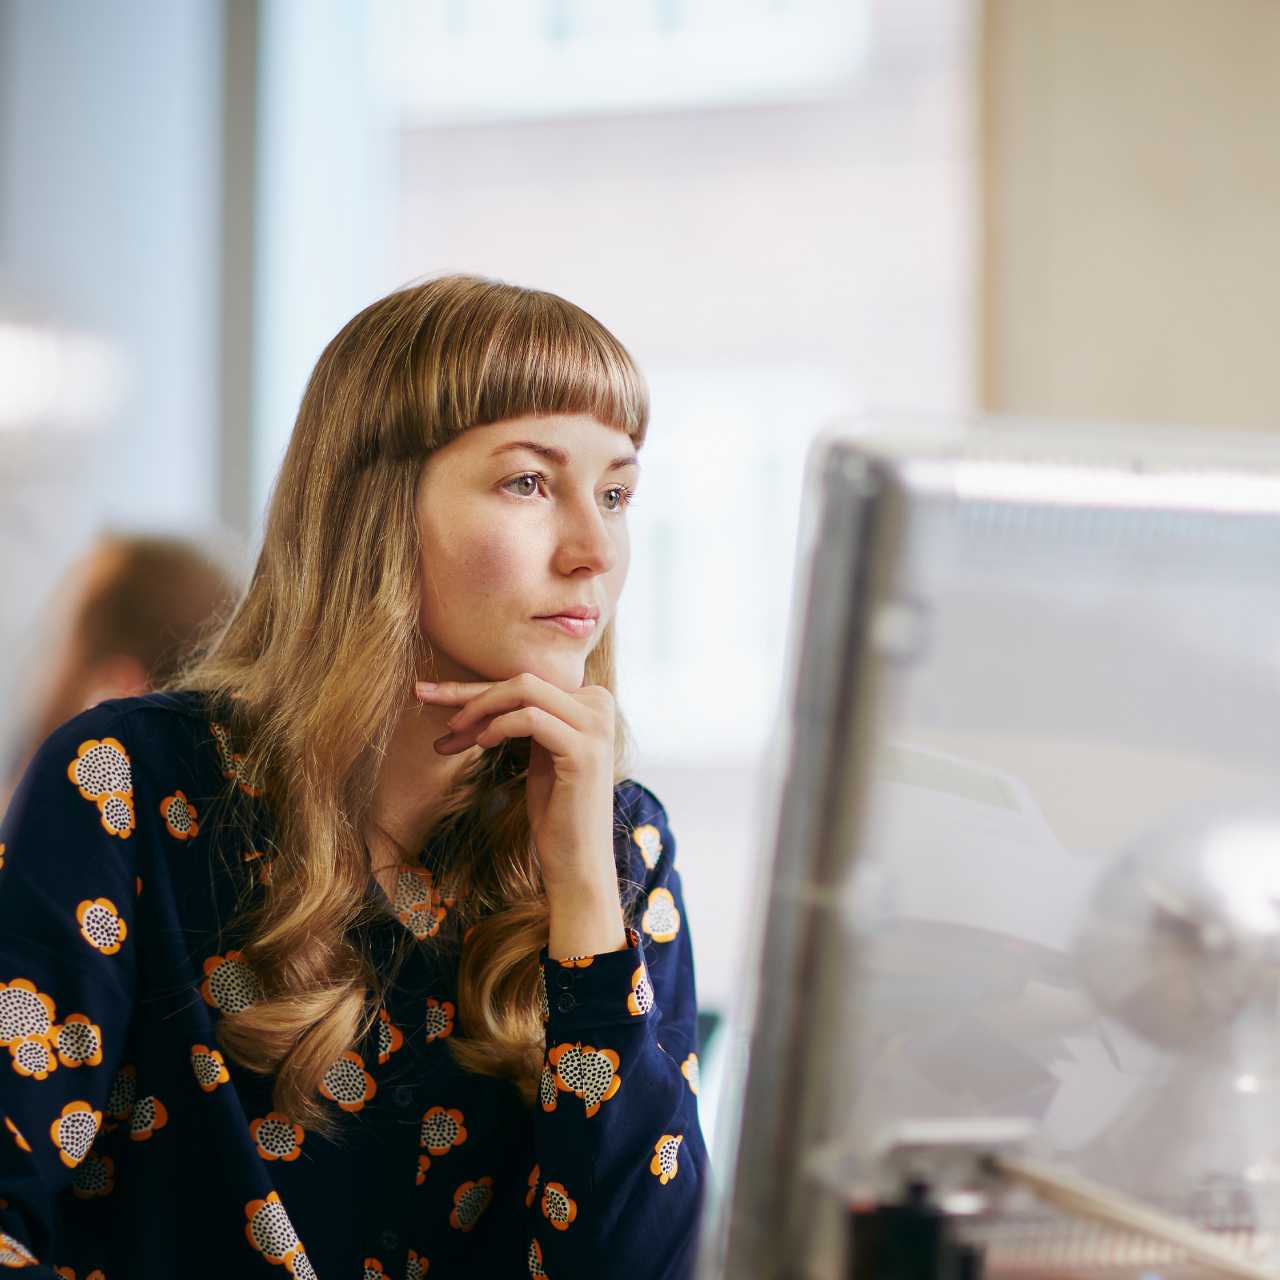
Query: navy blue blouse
[[133, 1147]]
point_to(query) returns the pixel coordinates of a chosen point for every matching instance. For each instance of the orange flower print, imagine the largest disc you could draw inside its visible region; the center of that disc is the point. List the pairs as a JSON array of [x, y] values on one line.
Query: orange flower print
[[149, 1115], [23, 1144], [557, 1206], [13, 1253], [544, 1004], [640, 1001], [74, 1130], [661, 920], [65, 1273], [347, 1083], [209, 1067], [232, 763], [390, 1037], [78, 1042], [138, 889], [2, 857], [470, 1200], [101, 926], [34, 1057], [415, 1267], [94, 1176], [276, 1137], [270, 1232], [372, 1269], [439, 1018], [598, 1078], [122, 1095], [179, 816], [690, 1070], [229, 984], [419, 905], [649, 841], [535, 1261], [442, 1130], [548, 1092], [576, 962], [564, 1061], [103, 774], [532, 1194], [264, 861], [664, 1165], [424, 1163], [24, 1011]]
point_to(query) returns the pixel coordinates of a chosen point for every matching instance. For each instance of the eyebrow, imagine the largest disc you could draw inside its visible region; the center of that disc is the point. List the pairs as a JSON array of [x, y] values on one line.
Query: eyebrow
[[558, 456]]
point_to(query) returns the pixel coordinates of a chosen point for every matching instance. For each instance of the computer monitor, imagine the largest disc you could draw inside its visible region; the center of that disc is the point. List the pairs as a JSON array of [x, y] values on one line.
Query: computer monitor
[[1026, 799]]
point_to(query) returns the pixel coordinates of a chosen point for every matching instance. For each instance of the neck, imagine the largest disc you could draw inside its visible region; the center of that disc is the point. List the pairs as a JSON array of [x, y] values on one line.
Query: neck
[[413, 778]]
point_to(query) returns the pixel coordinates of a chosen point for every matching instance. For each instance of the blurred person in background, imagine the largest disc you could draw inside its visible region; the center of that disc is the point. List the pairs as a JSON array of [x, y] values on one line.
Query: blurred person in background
[[356, 947], [126, 616]]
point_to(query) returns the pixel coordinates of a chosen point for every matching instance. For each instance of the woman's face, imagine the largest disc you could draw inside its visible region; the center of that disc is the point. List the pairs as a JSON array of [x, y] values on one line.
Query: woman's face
[[503, 546]]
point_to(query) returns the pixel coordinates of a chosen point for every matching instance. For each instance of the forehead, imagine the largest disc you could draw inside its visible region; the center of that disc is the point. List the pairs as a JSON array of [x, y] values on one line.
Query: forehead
[[583, 440]]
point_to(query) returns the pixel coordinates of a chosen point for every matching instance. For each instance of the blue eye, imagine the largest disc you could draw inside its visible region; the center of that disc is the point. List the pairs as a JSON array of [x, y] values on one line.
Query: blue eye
[[626, 495]]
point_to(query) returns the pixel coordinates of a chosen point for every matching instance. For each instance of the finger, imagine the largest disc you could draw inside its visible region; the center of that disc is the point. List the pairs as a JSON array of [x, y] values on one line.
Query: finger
[[562, 740], [527, 690], [450, 691]]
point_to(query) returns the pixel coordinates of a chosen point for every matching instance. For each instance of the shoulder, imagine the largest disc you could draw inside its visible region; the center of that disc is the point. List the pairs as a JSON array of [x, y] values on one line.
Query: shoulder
[[641, 824], [103, 747]]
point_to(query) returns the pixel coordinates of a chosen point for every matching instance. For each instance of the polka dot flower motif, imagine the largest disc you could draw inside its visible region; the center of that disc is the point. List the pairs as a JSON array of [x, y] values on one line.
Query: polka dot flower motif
[[95, 1176], [548, 1090], [232, 763], [439, 1020], [34, 1057], [101, 926], [648, 840], [149, 1116], [664, 1166], [390, 1038], [640, 1001], [103, 774], [424, 1163], [2, 848], [209, 1067], [13, 1253], [74, 1130], [276, 1137], [229, 984], [544, 1003], [347, 1083], [442, 1130], [419, 905], [270, 1232], [558, 1207], [535, 1261], [373, 1270], [24, 1011], [122, 1095], [661, 920], [264, 861], [585, 1071], [179, 816], [78, 1042], [470, 1200], [690, 1070], [415, 1267], [532, 1194]]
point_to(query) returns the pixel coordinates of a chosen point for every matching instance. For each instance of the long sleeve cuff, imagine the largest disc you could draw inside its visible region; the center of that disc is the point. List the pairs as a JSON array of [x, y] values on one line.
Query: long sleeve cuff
[[582, 992]]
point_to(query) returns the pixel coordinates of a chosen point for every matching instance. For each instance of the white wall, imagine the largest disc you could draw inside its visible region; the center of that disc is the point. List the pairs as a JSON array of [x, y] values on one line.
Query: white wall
[[109, 174]]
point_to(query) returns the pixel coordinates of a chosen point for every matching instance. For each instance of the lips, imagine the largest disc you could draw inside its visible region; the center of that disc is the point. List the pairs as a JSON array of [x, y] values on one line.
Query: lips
[[574, 611]]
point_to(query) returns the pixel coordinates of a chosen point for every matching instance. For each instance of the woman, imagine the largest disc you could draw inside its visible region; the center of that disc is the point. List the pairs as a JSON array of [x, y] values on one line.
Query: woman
[[356, 948]]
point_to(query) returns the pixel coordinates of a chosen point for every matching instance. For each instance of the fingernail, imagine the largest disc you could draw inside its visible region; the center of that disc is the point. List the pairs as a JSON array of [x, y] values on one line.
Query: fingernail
[[425, 686]]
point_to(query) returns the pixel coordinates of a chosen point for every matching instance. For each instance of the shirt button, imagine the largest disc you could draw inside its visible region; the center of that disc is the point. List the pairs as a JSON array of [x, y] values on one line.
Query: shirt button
[[564, 979], [566, 1002], [390, 1240], [404, 1097]]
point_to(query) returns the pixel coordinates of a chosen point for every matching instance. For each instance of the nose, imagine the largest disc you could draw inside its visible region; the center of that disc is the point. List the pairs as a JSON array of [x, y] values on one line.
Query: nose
[[585, 539]]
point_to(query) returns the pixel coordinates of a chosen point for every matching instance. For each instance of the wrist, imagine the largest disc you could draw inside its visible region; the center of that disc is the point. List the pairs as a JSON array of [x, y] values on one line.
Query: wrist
[[585, 921]]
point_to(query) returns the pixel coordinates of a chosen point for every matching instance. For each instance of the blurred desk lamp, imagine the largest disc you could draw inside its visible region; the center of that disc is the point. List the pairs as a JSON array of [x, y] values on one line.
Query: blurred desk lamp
[[1017, 1011]]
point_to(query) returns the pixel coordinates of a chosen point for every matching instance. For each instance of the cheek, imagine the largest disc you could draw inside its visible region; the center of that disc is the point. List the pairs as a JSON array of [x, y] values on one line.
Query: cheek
[[462, 564]]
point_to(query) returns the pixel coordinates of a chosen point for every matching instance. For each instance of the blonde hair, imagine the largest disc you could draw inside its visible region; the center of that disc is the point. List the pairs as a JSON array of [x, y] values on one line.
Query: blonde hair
[[313, 669]]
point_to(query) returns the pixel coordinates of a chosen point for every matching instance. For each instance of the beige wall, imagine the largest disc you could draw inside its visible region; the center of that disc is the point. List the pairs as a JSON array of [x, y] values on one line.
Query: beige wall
[[1131, 183]]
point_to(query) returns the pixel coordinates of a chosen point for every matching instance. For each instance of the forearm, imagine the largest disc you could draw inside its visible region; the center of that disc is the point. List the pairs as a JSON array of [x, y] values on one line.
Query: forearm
[[585, 919]]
